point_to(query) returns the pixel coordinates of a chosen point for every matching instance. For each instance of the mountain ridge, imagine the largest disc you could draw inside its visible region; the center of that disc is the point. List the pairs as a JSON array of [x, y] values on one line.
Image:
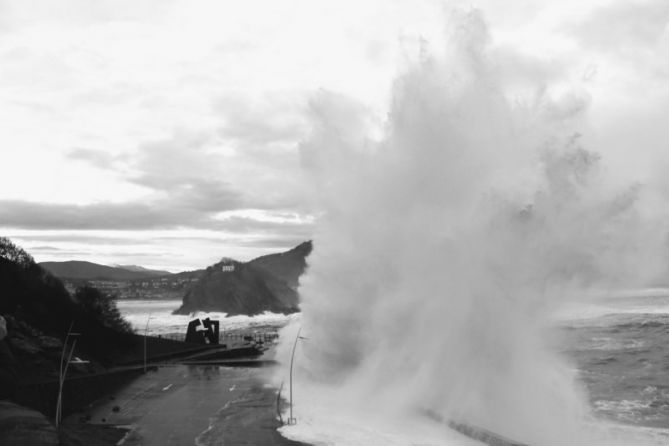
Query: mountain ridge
[[141, 269], [84, 270]]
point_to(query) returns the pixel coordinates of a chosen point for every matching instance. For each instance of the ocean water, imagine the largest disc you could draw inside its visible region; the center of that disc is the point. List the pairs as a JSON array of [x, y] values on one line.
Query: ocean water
[[155, 316], [619, 344]]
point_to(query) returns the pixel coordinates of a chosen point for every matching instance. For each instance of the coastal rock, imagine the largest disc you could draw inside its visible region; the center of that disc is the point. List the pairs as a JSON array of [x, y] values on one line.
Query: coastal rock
[[20, 426], [287, 266], [268, 283]]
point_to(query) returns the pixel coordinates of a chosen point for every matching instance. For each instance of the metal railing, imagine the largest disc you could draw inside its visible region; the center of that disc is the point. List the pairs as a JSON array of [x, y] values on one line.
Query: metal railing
[[228, 338]]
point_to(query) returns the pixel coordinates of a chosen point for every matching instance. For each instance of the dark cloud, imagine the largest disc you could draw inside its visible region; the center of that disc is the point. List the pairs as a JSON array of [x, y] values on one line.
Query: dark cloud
[[239, 166], [173, 165], [184, 176], [187, 175], [195, 171], [46, 249], [123, 216], [133, 216], [38, 253], [201, 196], [79, 237]]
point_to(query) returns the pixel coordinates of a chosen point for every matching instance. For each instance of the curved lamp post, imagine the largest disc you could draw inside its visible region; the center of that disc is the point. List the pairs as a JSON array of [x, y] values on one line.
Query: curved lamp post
[[62, 372], [146, 331], [292, 420]]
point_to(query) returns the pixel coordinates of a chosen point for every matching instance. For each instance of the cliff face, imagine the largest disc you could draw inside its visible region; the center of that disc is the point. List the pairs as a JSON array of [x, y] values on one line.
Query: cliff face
[[287, 266], [268, 283]]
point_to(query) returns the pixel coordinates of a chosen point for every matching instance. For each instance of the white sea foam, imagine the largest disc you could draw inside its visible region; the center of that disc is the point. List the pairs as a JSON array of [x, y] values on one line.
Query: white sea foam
[[329, 420], [163, 322], [444, 249]]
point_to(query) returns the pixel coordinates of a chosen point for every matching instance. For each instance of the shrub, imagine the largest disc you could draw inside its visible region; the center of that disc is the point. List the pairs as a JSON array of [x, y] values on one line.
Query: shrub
[[98, 306]]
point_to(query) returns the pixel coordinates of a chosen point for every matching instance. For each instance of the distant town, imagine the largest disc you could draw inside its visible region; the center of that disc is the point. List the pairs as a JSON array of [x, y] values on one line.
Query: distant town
[[166, 287]]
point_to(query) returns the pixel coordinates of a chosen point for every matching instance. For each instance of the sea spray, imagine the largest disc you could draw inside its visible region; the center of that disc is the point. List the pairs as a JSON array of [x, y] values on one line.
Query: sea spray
[[446, 243]]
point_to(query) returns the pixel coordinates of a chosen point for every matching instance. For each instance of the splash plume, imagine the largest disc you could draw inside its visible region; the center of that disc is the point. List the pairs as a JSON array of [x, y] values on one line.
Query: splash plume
[[447, 242]]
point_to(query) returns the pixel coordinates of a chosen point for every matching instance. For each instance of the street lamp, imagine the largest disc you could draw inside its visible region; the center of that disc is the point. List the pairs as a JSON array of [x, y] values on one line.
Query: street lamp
[[146, 331], [292, 420], [62, 370]]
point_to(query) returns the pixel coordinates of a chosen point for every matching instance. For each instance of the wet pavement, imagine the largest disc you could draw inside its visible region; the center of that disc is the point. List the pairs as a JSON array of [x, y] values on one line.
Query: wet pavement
[[192, 404]]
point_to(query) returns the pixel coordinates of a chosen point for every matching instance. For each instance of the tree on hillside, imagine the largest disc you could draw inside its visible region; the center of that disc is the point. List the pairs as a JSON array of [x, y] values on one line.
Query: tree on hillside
[[29, 292], [13, 253], [34, 297], [100, 307]]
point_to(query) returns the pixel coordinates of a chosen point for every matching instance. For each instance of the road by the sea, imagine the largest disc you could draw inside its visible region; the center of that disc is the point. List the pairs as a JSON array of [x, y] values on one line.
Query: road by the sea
[[206, 405], [201, 405]]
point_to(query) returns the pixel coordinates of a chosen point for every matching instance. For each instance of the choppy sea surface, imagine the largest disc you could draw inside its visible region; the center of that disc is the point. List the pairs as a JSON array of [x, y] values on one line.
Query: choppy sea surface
[[620, 345], [156, 318]]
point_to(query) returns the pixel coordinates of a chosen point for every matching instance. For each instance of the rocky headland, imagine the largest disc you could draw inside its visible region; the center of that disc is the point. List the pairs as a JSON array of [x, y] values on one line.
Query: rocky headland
[[267, 283]]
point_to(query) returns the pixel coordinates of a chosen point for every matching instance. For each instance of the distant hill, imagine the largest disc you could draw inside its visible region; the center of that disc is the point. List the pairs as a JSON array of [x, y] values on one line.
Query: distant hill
[[141, 269], [124, 281], [268, 283], [77, 269]]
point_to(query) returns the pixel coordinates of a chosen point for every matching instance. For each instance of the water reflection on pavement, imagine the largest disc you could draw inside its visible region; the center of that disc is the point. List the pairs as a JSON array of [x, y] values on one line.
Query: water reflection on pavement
[[185, 405]]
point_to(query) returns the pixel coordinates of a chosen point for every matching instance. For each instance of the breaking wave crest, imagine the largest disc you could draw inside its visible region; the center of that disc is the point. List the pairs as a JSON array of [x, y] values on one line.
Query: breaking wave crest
[[447, 243]]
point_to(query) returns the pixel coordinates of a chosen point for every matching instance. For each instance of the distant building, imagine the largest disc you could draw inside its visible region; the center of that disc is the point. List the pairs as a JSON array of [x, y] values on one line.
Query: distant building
[[228, 268]]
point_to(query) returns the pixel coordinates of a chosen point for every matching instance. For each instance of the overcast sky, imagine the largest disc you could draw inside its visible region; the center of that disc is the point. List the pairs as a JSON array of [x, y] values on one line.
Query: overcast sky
[[165, 133]]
